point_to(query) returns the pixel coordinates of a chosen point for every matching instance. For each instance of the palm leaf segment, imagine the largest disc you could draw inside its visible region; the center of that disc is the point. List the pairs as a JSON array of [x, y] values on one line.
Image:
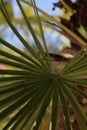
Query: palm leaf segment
[[31, 87]]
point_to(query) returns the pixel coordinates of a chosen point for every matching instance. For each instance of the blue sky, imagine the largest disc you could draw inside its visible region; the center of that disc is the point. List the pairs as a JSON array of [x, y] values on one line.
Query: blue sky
[[47, 6]]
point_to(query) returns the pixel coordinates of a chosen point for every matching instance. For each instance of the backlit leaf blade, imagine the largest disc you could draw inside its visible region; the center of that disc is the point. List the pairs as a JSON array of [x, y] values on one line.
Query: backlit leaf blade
[[55, 105], [65, 109], [79, 113]]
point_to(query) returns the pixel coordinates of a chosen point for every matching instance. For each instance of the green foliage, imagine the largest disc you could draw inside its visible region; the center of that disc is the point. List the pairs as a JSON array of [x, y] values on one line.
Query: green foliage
[[31, 86]]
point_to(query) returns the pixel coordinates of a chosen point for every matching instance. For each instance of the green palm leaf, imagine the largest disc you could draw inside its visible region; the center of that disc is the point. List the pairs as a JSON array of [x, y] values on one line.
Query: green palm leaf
[[30, 87]]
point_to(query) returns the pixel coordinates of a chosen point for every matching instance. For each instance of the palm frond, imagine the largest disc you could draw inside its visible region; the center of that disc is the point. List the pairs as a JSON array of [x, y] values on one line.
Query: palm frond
[[30, 87]]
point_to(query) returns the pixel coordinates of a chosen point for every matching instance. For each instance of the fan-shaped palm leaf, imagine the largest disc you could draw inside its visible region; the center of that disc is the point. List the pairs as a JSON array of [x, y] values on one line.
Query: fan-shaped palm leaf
[[28, 89]]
